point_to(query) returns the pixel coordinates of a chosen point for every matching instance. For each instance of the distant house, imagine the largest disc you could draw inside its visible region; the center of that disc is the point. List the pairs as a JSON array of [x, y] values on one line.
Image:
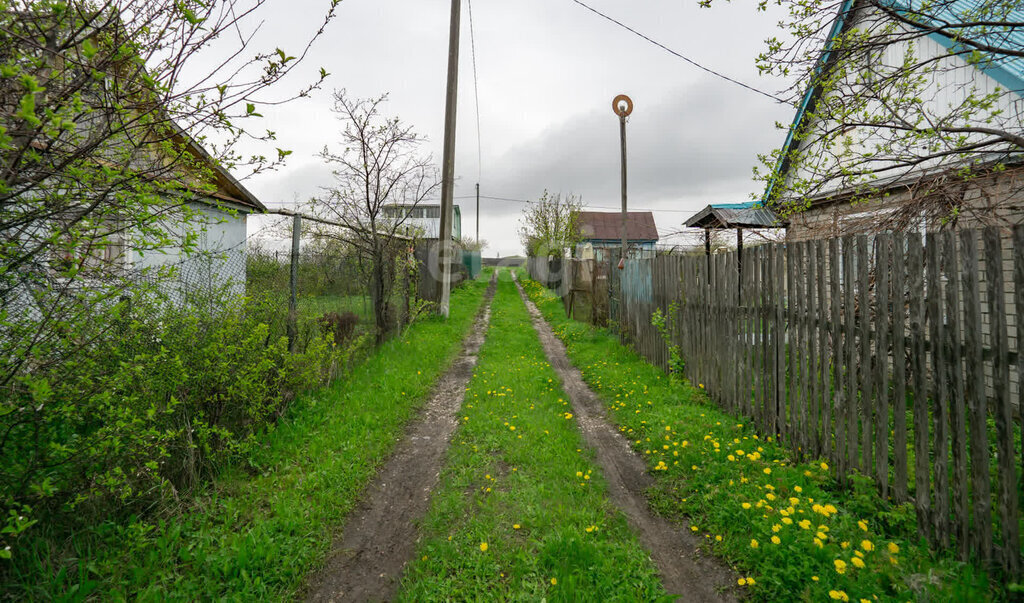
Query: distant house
[[603, 230], [423, 220], [924, 194]]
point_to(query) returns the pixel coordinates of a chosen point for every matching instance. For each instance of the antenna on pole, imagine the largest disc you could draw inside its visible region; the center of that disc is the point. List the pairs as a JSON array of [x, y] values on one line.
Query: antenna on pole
[[623, 106]]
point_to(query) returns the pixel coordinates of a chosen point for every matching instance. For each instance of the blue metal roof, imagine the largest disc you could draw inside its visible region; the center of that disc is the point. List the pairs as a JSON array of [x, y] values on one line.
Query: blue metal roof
[[1007, 71], [747, 205]]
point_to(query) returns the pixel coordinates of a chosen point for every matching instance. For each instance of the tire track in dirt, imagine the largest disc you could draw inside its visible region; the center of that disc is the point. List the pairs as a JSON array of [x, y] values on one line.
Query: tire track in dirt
[[685, 572], [379, 538]]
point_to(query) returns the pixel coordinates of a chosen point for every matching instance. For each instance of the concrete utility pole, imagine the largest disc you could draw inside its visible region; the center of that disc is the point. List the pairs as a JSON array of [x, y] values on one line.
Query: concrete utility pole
[[478, 213], [448, 161], [623, 106]]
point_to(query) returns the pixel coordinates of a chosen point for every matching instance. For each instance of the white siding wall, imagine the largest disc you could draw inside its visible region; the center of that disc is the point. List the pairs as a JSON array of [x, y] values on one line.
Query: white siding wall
[[951, 83], [218, 261]]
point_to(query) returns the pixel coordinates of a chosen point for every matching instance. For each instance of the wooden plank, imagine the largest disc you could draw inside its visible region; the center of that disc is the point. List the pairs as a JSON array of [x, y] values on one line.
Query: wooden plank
[[1018, 308], [883, 265], [762, 365], [975, 396], [814, 352], [958, 426], [833, 388], [899, 369], [850, 340], [778, 326], [746, 349], [806, 352], [730, 331], [864, 373], [797, 351], [788, 356], [918, 359], [939, 390], [1007, 477]]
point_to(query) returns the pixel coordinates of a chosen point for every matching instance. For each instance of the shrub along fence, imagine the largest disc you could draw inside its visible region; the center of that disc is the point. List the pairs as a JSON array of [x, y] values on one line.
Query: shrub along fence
[[895, 356]]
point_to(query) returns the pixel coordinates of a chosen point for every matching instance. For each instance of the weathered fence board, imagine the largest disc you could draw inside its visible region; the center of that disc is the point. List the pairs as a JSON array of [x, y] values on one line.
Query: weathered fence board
[[887, 355]]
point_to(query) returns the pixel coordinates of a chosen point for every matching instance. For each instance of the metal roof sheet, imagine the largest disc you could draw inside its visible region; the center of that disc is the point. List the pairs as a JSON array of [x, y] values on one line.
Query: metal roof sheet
[[735, 215]]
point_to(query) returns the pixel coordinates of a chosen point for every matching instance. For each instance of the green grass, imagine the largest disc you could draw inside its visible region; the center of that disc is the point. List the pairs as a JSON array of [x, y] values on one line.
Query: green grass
[[519, 480], [263, 524], [317, 305], [736, 488]]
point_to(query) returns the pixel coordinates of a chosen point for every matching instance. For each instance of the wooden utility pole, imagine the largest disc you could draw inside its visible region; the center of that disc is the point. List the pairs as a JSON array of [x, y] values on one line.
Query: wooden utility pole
[[623, 106], [448, 160]]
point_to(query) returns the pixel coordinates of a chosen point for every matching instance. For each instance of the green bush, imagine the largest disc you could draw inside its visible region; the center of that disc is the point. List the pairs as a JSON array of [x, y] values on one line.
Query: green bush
[[141, 404]]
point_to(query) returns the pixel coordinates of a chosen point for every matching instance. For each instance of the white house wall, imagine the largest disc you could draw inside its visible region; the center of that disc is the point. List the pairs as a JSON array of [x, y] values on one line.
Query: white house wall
[[218, 262]]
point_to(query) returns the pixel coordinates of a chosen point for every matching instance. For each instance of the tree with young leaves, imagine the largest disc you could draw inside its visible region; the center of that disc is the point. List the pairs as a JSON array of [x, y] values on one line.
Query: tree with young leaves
[[925, 93], [109, 126], [550, 225], [113, 117], [380, 166]]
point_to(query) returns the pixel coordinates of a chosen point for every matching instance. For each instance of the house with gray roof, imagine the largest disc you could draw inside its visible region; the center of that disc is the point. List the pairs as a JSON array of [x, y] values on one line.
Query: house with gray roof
[[603, 230]]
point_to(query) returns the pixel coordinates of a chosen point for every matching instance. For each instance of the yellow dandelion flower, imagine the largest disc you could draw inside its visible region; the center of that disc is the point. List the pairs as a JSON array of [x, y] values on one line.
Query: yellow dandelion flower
[[767, 470], [787, 520], [824, 466], [776, 540], [838, 595], [863, 524], [694, 528], [742, 582], [797, 489], [590, 529], [745, 505], [516, 526], [815, 578], [753, 543], [804, 524], [867, 545], [840, 566], [750, 581], [776, 528], [483, 546], [857, 562], [554, 581], [893, 548]]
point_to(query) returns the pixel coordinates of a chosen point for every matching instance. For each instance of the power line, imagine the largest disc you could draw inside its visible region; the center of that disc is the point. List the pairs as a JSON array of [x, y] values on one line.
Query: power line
[[588, 206], [476, 91], [676, 54]]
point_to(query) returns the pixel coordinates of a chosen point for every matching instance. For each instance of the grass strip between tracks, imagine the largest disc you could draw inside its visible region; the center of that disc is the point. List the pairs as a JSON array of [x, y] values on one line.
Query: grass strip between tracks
[[521, 511]]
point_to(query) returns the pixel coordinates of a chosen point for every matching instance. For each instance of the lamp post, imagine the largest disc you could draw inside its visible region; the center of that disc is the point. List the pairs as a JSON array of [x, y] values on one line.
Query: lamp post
[[623, 106]]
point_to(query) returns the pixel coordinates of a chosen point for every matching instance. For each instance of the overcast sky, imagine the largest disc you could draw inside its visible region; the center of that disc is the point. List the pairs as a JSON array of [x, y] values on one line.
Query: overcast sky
[[547, 72]]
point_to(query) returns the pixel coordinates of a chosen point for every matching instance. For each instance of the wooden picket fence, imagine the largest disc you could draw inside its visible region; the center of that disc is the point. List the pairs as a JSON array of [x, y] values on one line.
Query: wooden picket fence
[[894, 356]]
